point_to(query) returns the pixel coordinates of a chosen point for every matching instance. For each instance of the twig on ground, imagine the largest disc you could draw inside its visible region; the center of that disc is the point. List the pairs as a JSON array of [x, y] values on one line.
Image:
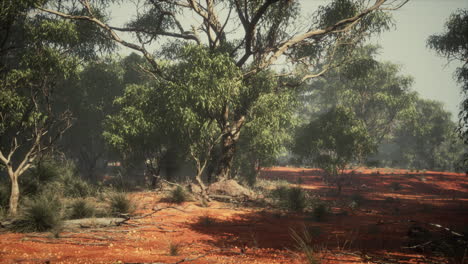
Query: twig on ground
[[64, 242]]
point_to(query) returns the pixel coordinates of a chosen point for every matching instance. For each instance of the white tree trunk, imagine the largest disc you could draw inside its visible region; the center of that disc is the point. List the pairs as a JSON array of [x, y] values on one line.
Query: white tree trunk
[[14, 196]]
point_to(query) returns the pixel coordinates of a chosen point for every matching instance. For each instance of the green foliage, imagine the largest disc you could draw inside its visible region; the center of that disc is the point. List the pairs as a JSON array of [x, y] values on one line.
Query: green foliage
[[334, 140], [293, 199], [89, 97], [425, 139], [375, 91], [320, 212], [206, 221], [267, 133], [39, 214], [178, 195], [82, 208], [120, 204], [38, 54], [452, 45], [297, 199], [280, 193], [49, 172]]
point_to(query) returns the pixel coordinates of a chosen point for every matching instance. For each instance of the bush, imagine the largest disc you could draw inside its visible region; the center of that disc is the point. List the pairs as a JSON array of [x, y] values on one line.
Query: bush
[[297, 199], [320, 212], [74, 186], [174, 249], [178, 195], [293, 199], [81, 208], [62, 175], [206, 220], [280, 193], [43, 213], [121, 204]]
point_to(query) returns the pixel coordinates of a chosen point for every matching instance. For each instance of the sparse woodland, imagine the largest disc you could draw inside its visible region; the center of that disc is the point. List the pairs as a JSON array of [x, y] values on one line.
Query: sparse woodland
[[232, 131]]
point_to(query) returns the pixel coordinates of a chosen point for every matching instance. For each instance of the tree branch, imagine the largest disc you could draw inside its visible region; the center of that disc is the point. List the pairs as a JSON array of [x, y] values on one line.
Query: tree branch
[[109, 30], [315, 33]]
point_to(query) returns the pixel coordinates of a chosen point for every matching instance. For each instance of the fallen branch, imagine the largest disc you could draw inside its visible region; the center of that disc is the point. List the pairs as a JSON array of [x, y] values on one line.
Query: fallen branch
[[420, 245], [64, 242]]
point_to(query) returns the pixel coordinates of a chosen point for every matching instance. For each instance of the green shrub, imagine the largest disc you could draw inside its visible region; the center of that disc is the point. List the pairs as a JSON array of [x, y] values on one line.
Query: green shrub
[[62, 175], [74, 186], [178, 195], [280, 193], [43, 213], [293, 199], [320, 212], [81, 208], [121, 204], [296, 200], [206, 220]]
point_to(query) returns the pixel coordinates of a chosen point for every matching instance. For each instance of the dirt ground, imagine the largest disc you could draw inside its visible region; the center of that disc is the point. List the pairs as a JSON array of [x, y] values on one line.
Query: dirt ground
[[379, 230]]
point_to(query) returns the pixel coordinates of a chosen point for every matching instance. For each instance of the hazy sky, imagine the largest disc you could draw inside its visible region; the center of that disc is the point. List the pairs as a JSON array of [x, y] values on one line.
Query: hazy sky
[[405, 45]]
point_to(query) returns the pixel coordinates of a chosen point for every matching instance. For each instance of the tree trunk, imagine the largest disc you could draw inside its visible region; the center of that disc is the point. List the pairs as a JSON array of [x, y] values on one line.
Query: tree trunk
[[228, 149], [204, 193], [155, 177], [14, 196]]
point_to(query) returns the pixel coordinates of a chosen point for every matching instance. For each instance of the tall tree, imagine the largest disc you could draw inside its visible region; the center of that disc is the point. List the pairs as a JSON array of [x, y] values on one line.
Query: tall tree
[[453, 44], [37, 54], [89, 97], [266, 39], [425, 138], [376, 92]]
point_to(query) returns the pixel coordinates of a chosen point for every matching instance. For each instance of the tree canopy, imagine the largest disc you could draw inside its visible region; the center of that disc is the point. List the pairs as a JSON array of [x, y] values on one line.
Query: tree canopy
[[452, 44]]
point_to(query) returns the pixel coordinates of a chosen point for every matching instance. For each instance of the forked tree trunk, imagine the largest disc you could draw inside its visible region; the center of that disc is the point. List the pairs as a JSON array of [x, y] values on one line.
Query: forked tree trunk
[[204, 193], [14, 196]]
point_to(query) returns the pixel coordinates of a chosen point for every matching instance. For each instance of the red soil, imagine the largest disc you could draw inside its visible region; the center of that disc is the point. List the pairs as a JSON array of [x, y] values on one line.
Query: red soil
[[376, 231]]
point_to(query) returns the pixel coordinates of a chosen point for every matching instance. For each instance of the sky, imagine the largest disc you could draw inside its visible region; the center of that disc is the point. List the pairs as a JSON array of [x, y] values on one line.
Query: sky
[[404, 45]]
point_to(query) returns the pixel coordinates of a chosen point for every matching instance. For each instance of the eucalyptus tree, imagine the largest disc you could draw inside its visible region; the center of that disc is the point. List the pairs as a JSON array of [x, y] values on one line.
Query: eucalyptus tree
[[269, 132], [89, 97], [376, 92], [332, 141], [256, 35], [425, 138], [37, 54], [181, 113], [453, 44]]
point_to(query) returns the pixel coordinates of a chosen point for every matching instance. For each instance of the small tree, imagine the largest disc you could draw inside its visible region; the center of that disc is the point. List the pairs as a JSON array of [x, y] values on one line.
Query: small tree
[[332, 141]]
